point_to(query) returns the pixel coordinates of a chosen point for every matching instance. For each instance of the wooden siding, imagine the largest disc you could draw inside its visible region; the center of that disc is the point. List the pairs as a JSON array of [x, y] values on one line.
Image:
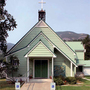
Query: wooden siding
[[23, 62], [61, 60], [80, 55], [40, 51]]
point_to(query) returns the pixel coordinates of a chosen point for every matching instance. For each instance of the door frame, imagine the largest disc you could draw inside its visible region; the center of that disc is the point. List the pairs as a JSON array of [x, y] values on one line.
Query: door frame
[[34, 67]]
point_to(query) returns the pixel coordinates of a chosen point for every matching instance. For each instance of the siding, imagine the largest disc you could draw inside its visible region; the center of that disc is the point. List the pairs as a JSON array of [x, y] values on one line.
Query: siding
[[23, 67], [80, 55], [40, 51], [61, 60]]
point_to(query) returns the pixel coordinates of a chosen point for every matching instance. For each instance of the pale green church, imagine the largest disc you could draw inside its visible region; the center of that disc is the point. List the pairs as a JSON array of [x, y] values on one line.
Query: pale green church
[[43, 54]]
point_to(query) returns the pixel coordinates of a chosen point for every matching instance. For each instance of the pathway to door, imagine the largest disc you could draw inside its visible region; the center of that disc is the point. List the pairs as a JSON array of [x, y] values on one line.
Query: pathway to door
[[36, 86]]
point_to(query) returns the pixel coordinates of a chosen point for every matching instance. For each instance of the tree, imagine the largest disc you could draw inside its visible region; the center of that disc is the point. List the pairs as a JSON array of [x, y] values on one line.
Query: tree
[[7, 23], [86, 42]]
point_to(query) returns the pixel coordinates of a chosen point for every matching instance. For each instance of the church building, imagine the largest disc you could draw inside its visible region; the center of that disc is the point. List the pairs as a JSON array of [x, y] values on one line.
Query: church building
[[43, 54]]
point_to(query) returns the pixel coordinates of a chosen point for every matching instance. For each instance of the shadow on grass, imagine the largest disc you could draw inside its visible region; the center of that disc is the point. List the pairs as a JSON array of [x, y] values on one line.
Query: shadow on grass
[[5, 86]]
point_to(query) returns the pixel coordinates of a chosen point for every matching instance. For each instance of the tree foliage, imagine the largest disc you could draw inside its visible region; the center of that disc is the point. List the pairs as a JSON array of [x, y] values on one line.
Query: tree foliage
[[86, 42], [7, 23]]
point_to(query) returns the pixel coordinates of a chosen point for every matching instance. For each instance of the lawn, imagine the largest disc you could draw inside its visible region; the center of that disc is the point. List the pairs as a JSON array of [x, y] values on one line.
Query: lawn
[[88, 77], [5, 86], [85, 86], [73, 88]]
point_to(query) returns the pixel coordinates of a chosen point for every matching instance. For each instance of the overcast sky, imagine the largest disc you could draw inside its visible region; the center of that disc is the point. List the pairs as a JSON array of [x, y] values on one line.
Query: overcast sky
[[61, 15]]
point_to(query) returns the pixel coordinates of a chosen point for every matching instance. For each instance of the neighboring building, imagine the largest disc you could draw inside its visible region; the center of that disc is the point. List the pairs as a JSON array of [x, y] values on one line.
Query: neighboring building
[[43, 54]]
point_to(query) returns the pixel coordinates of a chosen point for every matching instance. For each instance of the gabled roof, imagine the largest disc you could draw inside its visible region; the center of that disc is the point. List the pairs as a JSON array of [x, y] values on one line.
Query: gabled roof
[[41, 26], [40, 50], [75, 45]]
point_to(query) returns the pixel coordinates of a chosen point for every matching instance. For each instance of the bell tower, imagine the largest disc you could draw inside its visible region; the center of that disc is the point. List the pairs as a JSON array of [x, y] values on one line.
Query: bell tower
[[41, 13]]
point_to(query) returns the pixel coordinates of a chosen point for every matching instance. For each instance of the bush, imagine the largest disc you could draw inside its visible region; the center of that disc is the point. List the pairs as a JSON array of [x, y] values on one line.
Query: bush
[[61, 77], [71, 80], [79, 78], [58, 81]]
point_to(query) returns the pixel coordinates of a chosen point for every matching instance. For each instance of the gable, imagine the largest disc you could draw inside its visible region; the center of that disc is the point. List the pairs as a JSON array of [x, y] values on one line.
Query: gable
[[41, 24], [40, 50]]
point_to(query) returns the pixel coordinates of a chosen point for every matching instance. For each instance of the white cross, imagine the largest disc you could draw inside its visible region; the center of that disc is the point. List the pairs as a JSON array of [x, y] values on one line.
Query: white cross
[[42, 4]]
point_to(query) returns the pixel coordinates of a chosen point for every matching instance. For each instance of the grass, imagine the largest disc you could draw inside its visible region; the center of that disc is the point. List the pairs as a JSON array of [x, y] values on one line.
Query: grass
[[84, 86], [88, 77], [86, 82], [5, 86], [73, 88]]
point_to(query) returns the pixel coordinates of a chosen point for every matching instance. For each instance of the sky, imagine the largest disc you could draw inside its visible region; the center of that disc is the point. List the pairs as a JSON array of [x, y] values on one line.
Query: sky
[[61, 15]]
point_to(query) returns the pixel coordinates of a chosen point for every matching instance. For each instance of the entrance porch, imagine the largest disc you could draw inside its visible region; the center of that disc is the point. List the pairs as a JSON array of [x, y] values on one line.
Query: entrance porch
[[40, 68]]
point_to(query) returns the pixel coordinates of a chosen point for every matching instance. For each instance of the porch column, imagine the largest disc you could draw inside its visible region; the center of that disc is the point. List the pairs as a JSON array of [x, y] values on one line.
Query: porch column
[[71, 69], [52, 68], [27, 66]]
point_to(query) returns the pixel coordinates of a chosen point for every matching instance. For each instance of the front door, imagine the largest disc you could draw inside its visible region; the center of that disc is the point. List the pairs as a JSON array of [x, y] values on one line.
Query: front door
[[41, 68]]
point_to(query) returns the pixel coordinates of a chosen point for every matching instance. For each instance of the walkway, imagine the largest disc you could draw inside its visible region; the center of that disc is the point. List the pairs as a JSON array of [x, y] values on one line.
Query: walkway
[[36, 86], [86, 79]]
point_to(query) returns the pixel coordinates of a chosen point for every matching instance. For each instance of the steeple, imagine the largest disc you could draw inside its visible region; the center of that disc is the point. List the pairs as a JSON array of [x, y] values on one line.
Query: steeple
[[41, 13]]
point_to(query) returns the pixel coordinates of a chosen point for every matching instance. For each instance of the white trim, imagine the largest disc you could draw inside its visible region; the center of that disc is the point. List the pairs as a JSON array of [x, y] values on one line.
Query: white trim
[[38, 25], [27, 67], [52, 68], [84, 50], [71, 69], [34, 67]]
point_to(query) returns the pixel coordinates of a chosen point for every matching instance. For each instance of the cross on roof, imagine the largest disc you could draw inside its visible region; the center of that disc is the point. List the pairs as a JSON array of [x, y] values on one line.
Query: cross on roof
[[42, 4]]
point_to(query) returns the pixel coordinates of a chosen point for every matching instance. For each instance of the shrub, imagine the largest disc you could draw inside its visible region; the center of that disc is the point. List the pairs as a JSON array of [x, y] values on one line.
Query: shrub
[[71, 80], [61, 77], [58, 81], [79, 78]]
